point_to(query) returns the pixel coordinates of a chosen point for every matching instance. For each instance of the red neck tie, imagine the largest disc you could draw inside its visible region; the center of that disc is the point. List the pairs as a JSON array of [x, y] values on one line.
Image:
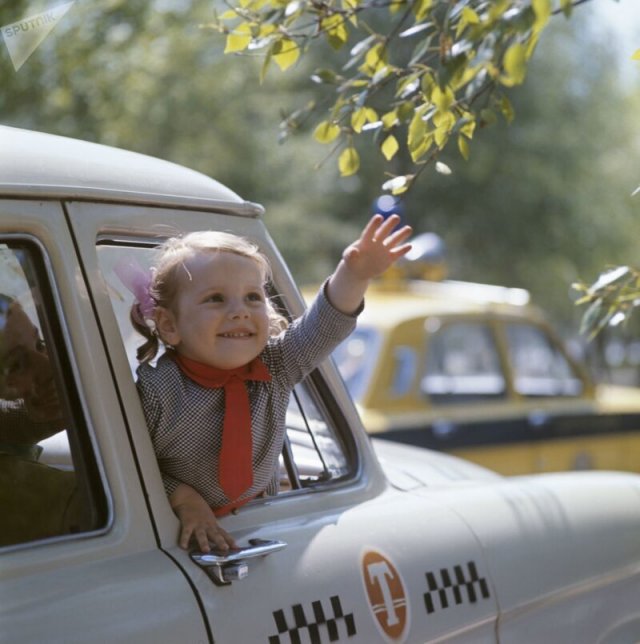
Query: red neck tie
[[235, 466]]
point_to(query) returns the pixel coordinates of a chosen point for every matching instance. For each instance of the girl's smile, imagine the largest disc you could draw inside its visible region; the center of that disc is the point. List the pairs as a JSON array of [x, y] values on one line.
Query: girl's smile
[[220, 315]]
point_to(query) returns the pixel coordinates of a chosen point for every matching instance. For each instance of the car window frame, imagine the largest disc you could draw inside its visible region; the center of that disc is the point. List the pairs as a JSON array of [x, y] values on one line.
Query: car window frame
[[84, 452], [314, 383]]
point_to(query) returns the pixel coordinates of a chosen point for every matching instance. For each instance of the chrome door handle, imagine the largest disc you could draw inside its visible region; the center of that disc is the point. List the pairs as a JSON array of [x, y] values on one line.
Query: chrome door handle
[[223, 568]]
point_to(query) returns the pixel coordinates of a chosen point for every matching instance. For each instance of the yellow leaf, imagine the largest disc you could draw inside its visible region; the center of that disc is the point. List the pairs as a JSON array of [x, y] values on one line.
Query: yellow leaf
[[350, 6], [469, 127], [417, 131], [349, 162], [390, 147], [389, 119], [463, 146], [285, 53], [514, 65], [443, 100], [470, 16], [444, 120], [441, 136], [358, 119], [375, 59], [542, 10], [507, 109], [636, 55], [372, 115], [266, 30], [229, 15], [421, 8], [336, 29], [326, 132], [238, 39], [467, 17]]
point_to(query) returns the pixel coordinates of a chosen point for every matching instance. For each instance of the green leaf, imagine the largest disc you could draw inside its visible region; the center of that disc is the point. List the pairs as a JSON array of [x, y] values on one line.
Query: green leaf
[[349, 162], [390, 147]]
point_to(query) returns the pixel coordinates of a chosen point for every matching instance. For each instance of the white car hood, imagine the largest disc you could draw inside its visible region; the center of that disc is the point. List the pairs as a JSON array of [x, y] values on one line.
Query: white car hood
[[408, 467]]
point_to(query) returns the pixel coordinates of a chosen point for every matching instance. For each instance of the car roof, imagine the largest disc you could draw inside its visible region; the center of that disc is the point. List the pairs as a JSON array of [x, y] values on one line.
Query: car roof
[[50, 166], [388, 304]]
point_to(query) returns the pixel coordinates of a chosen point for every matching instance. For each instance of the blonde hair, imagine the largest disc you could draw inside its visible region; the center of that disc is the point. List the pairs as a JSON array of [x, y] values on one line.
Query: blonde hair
[[171, 261]]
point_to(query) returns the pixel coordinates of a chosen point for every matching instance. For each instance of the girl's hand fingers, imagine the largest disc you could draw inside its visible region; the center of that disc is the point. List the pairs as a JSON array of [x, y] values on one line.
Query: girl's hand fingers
[[398, 236], [185, 537], [385, 228], [370, 230], [202, 540]]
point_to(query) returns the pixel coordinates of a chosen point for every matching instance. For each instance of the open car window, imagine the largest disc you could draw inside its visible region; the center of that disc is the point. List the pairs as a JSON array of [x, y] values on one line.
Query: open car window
[[314, 452], [50, 486]]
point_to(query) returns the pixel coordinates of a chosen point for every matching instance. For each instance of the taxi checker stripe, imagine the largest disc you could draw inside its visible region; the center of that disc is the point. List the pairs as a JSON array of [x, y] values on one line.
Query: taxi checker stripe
[[472, 583], [313, 628]]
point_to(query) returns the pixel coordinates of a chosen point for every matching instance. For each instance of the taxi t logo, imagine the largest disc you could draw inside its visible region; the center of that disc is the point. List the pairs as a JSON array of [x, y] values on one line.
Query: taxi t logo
[[386, 594]]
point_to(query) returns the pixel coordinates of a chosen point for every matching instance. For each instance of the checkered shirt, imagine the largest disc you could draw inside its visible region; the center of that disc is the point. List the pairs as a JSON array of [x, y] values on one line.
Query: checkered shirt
[[185, 419]]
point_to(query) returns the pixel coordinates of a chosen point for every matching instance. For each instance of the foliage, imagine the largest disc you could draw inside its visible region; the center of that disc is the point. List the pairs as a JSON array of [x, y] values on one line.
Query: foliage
[[615, 294], [418, 74], [540, 202], [611, 298]]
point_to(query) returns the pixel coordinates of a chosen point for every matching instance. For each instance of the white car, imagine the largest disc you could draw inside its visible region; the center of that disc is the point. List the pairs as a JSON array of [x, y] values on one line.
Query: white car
[[367, 542]]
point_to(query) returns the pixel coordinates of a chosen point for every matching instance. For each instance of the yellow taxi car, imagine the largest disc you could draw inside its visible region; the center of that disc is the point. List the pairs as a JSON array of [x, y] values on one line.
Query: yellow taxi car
[[476, 370]]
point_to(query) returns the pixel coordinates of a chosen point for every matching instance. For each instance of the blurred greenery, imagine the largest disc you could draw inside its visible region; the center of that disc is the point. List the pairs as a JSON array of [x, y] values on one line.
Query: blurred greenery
[[540, 203]]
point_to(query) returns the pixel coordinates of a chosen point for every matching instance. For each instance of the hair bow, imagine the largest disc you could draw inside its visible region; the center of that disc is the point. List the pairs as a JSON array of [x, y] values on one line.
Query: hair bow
[[138, 281]]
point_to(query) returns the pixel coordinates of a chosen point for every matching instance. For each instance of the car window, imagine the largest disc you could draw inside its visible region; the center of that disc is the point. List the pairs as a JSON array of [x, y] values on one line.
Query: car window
[[356, 358], [462, 364], [539, 368], [49, 482], [314, 452]]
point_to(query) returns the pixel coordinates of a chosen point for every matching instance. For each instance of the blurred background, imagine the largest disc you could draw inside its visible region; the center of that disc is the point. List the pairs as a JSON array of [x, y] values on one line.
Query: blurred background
[[541, 203]]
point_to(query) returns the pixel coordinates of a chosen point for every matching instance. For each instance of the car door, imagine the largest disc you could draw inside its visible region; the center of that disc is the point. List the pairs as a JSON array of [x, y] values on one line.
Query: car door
[[569, 433], [79, 555], [354, 559]]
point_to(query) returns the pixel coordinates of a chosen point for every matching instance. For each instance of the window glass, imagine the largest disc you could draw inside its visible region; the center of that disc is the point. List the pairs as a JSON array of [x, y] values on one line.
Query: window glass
[[356, 357], [405, 363], [462, 364], [49, 486], [314, 452], [539, 368]]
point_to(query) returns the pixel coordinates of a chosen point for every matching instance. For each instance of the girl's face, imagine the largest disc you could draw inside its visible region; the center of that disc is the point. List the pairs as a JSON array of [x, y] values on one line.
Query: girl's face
[[220, 315]]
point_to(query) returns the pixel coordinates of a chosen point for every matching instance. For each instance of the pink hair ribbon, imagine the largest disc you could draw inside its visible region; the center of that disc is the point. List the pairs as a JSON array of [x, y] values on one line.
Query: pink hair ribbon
[[138, 281]]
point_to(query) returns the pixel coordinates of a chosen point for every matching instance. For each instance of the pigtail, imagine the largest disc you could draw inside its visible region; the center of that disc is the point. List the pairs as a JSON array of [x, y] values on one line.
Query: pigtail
[[147, 351]]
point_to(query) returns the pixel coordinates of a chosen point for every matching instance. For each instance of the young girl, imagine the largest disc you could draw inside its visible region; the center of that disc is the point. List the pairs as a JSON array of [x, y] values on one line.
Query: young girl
[[216, 401]]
